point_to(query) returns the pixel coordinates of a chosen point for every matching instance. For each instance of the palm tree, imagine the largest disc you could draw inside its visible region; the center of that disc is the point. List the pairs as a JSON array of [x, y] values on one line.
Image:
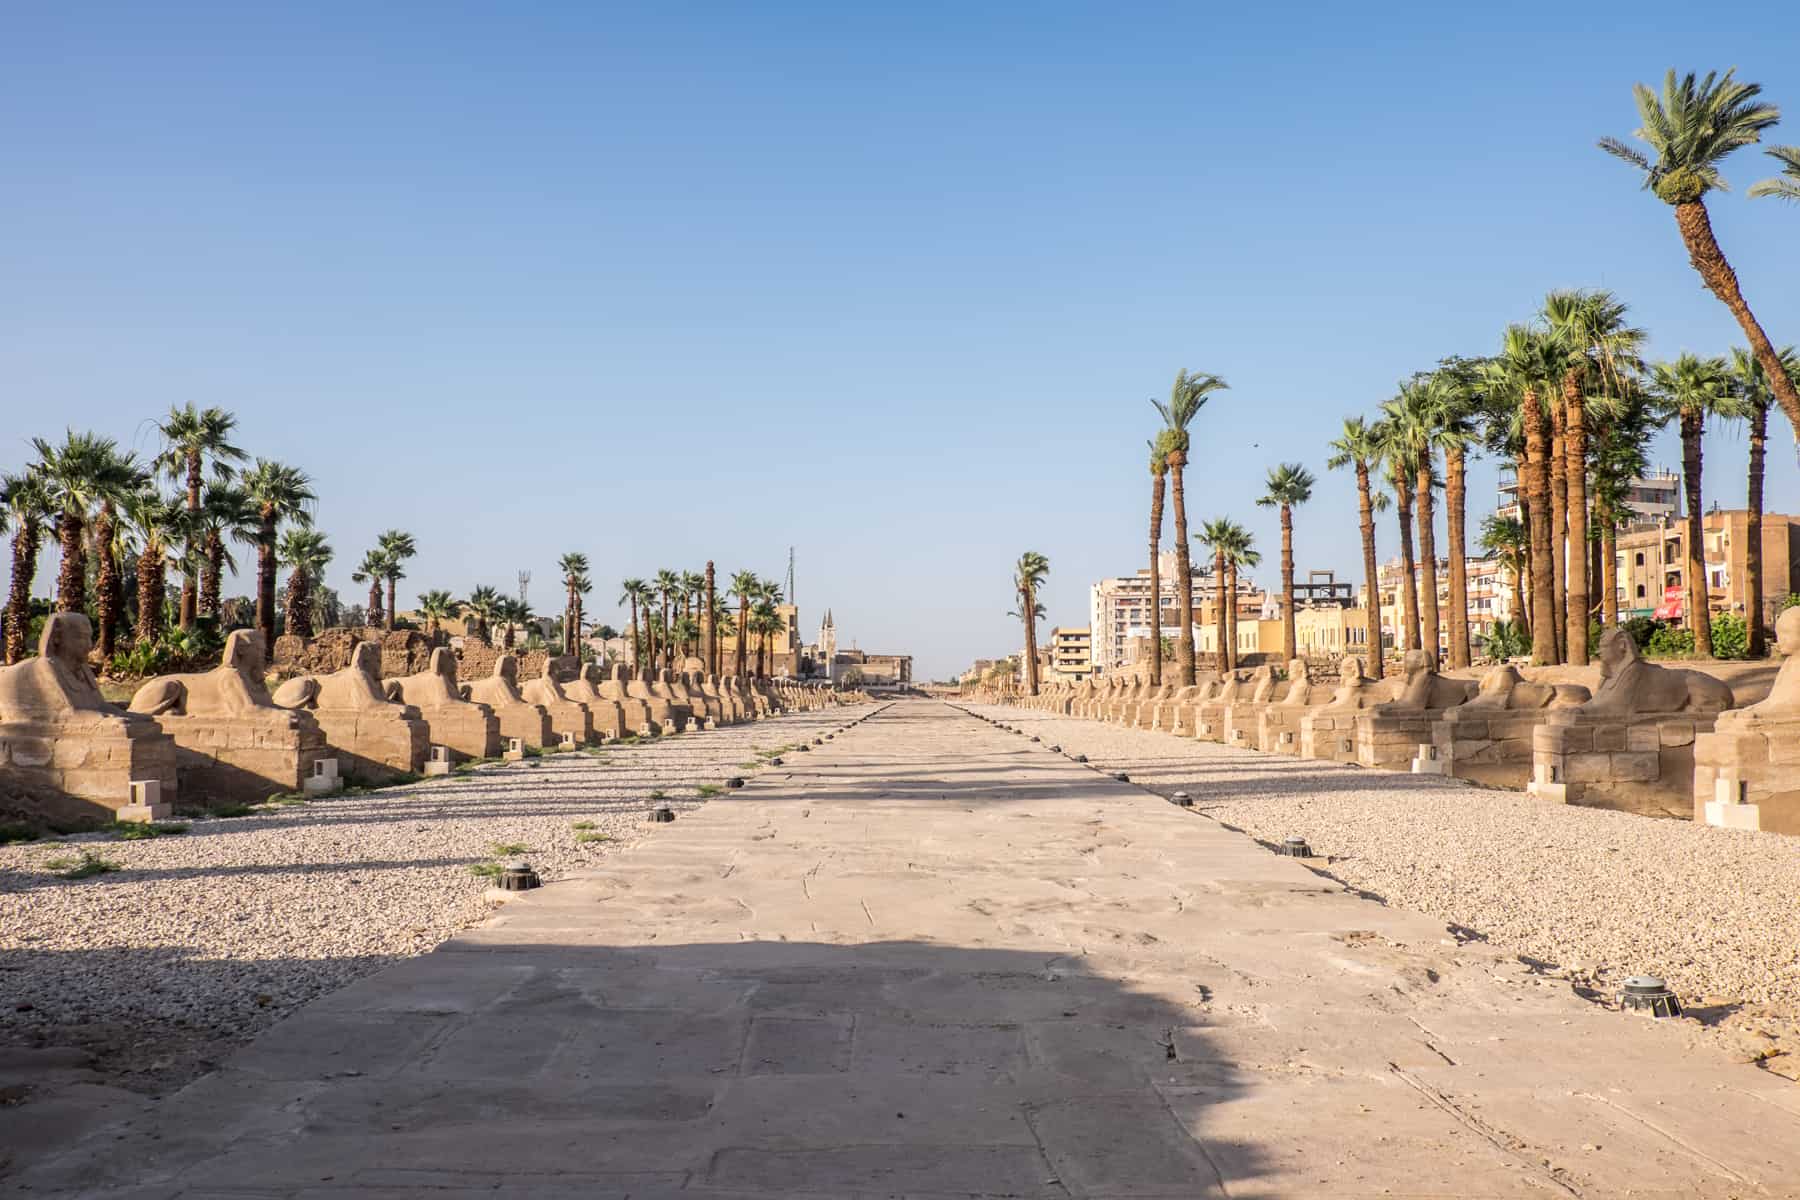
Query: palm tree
[[1033, 568], [225, 515], [1398, 469], [192, 437], [1505, 538], [75, 475], [1240, 554], [1689, 390], [304, 552], [693, 591], [513, 612], [1529, 363], [1605, 352], [26, 502], [574, 568], [483, 605], [1159, 469], [1359, 446], [1786, 189], [1691, 128], [1213, 535], [711, 635], [1411, 419], [631, 591], [278, 493], [396, 547], [744, 583], [1456, 406], [1289, 484], [371, 570], [1620, 455], [1186, 397], [122, 481], [153, 523], [1754, 396], [668, 586], [437, 606]]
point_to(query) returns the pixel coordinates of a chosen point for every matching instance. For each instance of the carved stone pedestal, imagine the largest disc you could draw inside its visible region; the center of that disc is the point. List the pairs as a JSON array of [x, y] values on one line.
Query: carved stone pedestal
[[1642, 764], [1747, 775]]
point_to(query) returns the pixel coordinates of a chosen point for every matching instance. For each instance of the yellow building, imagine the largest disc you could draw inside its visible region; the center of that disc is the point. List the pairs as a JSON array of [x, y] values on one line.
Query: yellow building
[[1071, 653]]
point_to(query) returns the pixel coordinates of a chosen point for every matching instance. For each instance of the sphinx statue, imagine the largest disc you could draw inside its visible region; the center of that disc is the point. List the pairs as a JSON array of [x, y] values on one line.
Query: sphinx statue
[[1239, 719], [519, 718], [466, 729], [636, 707], [233, 745], [61, 740], [1488, 738], [1278, 721], [1632, 746], [718, 699], [676, 687], [664, 712], [569, 717], [585, 689], [1747, 769], [1328, 731], [374, 738], [1421, 689]]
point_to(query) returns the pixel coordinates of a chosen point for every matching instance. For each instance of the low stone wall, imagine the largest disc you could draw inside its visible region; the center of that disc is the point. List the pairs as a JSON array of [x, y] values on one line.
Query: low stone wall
[[475, 660], [403, 651]]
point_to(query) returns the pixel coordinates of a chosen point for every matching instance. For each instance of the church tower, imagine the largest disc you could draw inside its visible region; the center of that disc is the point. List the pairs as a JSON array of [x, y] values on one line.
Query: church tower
[[828, 647]]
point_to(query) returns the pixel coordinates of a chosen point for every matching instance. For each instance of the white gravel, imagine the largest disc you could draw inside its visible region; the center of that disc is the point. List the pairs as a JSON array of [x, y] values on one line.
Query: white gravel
[[202, 939], [1594, 895]]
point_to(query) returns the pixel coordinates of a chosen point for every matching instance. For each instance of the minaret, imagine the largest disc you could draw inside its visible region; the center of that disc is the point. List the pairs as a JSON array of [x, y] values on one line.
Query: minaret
[[828, 645]]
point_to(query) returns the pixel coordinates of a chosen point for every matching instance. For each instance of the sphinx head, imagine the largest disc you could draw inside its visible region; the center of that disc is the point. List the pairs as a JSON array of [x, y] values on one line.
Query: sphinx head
[[1787, 632], [366, 658], [507, 668], [621, 673], [1298, 672], [1617, 650], [443, 663], [67, 638], [1350, 669], [243, 651]]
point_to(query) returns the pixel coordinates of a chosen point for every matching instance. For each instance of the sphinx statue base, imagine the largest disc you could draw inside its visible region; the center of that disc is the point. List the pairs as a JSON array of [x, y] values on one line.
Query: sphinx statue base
[[81, 769]]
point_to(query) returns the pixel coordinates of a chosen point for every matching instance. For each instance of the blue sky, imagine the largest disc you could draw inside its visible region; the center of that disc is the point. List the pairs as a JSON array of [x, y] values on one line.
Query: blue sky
[[890, 284]]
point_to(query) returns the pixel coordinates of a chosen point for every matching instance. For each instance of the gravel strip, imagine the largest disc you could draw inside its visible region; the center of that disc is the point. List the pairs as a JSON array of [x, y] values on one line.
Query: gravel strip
[[1589, 894], [200, 940]]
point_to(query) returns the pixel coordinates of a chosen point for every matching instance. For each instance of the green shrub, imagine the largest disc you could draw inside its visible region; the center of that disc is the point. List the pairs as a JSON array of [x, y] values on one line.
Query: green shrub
[[1641, 630], [1791, 600], [486, 870], [508, 849], [587, 836], [87, 865], [1730, 636], [1508, 639], [1670, 642], [582, 826], [708, 790]]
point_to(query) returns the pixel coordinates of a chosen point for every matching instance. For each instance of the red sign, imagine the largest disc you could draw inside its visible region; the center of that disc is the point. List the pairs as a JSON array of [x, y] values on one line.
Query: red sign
[[1673, 605]]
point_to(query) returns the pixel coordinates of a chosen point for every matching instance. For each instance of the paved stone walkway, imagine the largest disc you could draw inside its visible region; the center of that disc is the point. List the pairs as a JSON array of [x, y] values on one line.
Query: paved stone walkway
[[932, 959]]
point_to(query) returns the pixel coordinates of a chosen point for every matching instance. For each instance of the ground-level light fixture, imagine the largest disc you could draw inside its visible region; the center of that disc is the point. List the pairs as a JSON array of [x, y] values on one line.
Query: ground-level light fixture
[[1295, 847], [734, 782], [661, 813], [1182, 800], [1649, 994], [518, 877], [1121, 776]]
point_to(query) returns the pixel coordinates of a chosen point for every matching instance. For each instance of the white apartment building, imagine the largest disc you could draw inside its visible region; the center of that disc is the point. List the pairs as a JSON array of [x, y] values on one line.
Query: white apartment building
[[1119, 609]]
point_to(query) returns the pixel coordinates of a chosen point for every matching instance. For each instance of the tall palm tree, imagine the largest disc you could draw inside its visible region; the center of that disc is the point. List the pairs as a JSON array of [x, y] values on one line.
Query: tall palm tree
[[225, 516], [75, 475], [153, 523], [1289, 484], [1620, 455], [396, 547], [1240, 555], [1505, 538], [191, 438], [744, 583], [1691, 127], [1754, 396], [513, 612], [1214, 534], [437, 606], [710, 635], [1529, 363], [693, 593], [1411, 420], [1690, 389], [574, 568], [668, 587], [1457, 401], [483, 606], [1788, 188], [1186, 397], [371, 571], [305, 552], [1398, 470], [1159, 470], [1605, 352], [630, 592], [122, 482], [1358, 446], [27, 505], [1029, 574], [279, 494]]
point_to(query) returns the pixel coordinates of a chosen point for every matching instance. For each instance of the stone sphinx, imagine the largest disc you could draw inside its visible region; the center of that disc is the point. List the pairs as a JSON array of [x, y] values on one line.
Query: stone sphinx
[[374, 738], [1488, 739], [674, 685], [233, 745], [604, 713], [1209, 712], [1242, 716], [667, 715], [1278, 721], [1142, 711], [1747, 770], [61, 740], [569, 717], [519, 718], [1631, 747], [718, 700], [1328, 731], [1175, 713], [466, 729], [702, 701], [1395, 734], [635, 707]]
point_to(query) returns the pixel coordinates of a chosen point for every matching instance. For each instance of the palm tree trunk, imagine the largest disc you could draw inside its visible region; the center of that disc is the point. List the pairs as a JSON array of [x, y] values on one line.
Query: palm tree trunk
[[71, 578], [1290, 649], [150, 597], [388, 617], [1575, 615], [1699, 608], [1184, 575], [710, 647], [1028, 609], [1156, 507], [1230, 632], [1456, 500], [18, 602], [109, 593], [668, 636], [210, 580], [1559, 530], [1609, 572], [1426, 504], [1753, 561], [1536, 484], [265, 581], [743, 629], [189, 585], [1365, 504], [637, 636], [375, 603], [1703, 251], [1219, 619], [1409, 583], [299, 612]]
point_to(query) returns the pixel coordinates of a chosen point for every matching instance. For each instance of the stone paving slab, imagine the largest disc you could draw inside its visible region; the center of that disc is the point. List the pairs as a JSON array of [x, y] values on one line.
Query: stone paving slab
[[932, 960]]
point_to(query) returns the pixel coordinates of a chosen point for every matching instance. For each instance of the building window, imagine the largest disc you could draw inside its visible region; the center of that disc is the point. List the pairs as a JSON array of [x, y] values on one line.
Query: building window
[[1640, 558], [1640, 591]]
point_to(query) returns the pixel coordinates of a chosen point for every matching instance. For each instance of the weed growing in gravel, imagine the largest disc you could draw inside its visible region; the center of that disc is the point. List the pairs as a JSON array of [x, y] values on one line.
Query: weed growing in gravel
[[17, 833], [486, 870], [534, 752], [708, 790], [87, 865], [585, 837], [286, 799], [582, 826], [659, 794], [508, 849], [129, 831], [750, 766], [230, 810]]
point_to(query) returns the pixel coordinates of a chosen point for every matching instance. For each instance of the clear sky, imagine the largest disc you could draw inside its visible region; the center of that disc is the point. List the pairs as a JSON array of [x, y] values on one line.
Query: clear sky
[[888, 283]]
